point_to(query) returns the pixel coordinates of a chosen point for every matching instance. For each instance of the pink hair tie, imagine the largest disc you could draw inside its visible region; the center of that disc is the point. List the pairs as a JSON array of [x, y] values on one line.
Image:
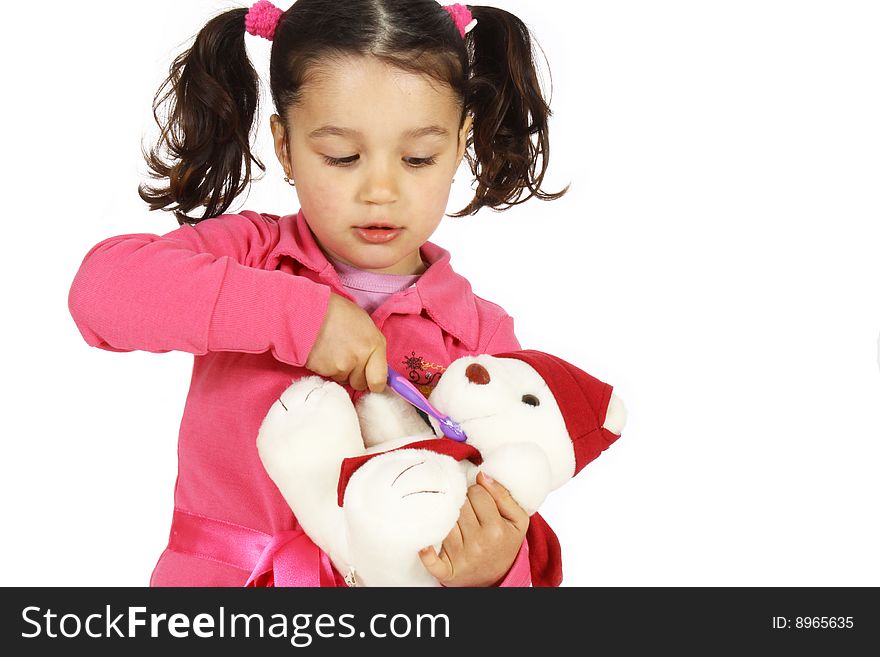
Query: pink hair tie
[[262, 19], [462, 18]]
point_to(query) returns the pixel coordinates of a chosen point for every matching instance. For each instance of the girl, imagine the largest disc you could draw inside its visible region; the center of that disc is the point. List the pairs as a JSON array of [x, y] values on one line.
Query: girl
[[377, 103]]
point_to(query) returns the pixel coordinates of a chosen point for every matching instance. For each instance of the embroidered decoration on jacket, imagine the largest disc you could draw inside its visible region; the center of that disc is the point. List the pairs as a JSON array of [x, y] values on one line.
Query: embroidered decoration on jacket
[[423, 374]]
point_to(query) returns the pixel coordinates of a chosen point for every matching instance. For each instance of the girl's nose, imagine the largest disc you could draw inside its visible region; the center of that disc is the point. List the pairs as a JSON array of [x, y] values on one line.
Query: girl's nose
[[380, 187], [476, 373]]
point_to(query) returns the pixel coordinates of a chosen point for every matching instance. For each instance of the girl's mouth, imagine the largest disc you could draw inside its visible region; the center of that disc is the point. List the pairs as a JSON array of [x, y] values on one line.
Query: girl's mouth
[[377, 234]]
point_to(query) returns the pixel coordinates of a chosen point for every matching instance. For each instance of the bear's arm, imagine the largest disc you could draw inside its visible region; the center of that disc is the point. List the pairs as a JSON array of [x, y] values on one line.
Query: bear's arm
[[385, 416]]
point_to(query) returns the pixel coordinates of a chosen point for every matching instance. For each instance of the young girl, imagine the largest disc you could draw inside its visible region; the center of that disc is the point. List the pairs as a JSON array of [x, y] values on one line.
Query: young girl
[[377, 103]]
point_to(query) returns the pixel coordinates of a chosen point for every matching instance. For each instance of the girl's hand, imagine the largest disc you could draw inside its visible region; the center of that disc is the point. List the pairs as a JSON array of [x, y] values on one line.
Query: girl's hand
[[482, 546], [349, 348]]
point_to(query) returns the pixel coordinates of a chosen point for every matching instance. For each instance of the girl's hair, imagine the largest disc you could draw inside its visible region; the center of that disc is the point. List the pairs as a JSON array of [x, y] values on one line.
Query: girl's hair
[[213, 92]]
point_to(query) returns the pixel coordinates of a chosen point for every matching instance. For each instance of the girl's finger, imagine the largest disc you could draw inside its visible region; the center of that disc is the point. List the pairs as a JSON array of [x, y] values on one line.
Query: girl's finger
[[454, 540], [357, 379], [341, 375], [467, 519], [484, 505], [341, 379], [507, 506], [376, 371], [439, 567]]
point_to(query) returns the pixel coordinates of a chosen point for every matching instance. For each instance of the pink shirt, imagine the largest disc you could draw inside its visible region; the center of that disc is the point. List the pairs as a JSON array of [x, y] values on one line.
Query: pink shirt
[[246, 294], [370, 290]]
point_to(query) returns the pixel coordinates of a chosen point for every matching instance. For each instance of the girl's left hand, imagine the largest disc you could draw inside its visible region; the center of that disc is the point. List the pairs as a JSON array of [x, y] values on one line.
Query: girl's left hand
[[483, 544]]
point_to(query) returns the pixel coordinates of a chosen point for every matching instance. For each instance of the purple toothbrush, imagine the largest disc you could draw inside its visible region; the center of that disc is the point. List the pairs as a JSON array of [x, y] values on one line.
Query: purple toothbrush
[[405, 388]]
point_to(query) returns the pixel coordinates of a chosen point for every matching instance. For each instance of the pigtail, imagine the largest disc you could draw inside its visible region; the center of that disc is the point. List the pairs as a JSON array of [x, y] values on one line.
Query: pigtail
[[508, 107], [213, 93]]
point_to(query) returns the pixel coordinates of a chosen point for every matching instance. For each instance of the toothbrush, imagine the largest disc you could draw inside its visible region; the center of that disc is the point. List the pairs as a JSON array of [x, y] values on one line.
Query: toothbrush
[[404, 387]]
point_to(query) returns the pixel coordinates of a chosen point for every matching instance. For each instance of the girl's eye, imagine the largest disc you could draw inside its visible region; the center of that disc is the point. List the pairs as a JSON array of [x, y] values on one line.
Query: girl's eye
[[531, 400], [340, 161], [421, 161], [414, 162]]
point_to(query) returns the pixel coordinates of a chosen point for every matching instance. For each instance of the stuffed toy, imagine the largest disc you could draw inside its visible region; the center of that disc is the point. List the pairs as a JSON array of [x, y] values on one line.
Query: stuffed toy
[[372, 484]]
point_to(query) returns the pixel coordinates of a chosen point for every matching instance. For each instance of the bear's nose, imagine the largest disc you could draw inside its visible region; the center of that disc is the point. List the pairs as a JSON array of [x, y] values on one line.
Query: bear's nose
[[476, 373]]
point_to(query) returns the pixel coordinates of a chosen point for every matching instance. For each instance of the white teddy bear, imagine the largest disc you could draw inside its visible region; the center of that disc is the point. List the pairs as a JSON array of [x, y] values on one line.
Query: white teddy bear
[[373, 485]]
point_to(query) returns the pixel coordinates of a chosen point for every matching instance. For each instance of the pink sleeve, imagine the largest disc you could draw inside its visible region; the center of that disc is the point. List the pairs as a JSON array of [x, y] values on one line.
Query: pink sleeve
[[503, 339], [520, 573], [197, 289]]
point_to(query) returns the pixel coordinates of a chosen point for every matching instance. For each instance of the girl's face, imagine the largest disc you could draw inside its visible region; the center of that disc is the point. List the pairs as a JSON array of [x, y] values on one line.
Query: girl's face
[[372, 150]]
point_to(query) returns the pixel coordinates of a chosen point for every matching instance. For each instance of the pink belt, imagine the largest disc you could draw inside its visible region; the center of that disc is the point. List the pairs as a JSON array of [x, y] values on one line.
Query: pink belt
[[288, 558]]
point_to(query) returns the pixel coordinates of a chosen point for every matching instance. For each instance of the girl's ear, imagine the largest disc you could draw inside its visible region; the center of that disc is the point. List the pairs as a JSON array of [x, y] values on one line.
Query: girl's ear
[[462, 136], [279, 137]]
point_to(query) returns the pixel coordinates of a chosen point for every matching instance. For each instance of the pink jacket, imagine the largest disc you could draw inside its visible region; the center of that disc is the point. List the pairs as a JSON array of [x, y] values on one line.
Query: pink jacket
[[246, 294]]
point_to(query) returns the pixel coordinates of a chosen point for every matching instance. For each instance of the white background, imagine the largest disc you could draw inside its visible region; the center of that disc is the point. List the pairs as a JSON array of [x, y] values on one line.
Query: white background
[[716, 260]]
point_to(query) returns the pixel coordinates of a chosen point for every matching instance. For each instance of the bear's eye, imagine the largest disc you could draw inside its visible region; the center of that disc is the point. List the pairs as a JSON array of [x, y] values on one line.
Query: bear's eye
[[531, 400]]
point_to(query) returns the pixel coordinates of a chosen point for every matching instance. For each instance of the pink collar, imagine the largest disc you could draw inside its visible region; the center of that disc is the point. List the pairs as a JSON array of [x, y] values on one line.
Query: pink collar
[[446, 296]]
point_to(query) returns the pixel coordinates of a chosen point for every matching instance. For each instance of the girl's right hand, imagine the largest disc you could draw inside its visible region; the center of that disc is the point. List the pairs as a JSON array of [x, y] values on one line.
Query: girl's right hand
[[349, 348]]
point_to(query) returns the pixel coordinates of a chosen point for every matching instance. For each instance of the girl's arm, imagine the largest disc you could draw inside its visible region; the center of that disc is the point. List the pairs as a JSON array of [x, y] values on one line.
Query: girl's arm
[[520, 573], [197, 289], [486, 542], [503, 339], [474, 549]]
